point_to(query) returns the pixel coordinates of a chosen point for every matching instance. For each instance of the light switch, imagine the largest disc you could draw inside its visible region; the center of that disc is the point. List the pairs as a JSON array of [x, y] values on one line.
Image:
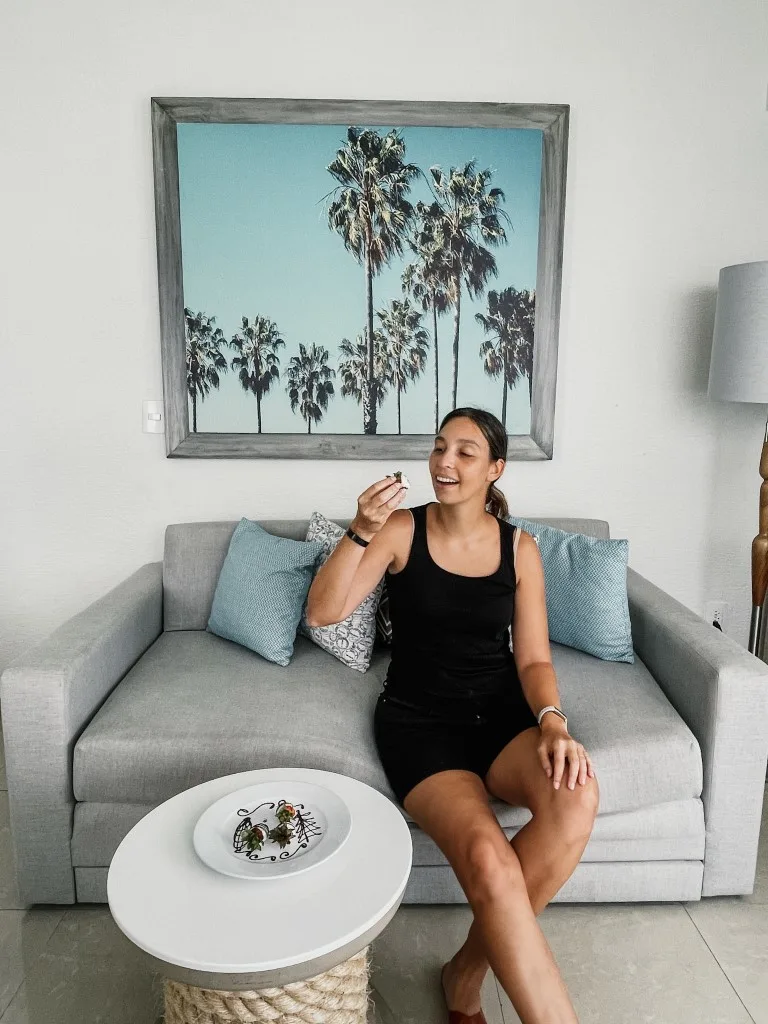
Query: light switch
[[152, 417]]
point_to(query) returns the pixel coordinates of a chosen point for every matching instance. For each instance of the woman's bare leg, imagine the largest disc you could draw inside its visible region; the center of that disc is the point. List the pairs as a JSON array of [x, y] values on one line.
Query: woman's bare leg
[[548, 849], [452, 807]]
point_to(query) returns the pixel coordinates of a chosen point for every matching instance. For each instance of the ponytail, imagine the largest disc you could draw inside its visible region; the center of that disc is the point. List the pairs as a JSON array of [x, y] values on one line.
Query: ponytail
[[496, 503]]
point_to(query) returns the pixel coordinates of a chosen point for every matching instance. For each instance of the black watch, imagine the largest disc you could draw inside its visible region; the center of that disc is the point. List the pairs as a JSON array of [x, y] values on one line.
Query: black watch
[[356, 538]]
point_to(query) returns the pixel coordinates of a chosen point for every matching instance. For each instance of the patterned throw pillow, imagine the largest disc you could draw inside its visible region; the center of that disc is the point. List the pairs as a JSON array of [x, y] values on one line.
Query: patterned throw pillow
[[383, 621], [261, 590], [586, 589], [351, 640]]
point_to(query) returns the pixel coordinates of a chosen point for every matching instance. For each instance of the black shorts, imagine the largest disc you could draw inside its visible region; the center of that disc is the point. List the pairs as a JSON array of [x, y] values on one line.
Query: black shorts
[[414, 742]]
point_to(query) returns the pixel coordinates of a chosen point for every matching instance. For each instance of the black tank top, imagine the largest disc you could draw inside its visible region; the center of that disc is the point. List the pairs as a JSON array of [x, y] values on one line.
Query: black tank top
[[451, 633]]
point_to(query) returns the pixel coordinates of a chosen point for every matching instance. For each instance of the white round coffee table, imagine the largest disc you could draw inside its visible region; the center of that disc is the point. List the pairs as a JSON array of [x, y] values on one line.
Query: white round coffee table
[[284, 949]]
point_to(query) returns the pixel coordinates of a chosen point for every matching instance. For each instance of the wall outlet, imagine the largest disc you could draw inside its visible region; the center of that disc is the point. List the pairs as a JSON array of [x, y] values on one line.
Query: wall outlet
[[718, 612]]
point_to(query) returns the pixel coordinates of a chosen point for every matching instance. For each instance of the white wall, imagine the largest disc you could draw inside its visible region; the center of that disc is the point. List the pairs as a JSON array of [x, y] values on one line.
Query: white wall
[[667, 182]]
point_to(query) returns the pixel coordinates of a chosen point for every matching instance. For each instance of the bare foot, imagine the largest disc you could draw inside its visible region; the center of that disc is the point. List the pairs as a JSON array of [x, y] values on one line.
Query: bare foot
[[458, 994]]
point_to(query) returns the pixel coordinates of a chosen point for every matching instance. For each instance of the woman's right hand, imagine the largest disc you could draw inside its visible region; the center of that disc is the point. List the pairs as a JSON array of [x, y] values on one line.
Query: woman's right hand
[[375, 505]]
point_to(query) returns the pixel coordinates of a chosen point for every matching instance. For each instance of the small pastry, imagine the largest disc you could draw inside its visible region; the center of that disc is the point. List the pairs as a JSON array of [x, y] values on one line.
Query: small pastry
[[401, 478]]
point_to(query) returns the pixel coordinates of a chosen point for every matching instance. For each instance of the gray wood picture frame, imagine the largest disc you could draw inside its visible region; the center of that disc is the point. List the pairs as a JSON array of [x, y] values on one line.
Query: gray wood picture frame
[[551, 119]]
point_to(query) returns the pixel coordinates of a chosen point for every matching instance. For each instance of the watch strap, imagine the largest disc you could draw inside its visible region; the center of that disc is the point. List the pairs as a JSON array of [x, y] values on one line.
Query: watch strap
[[556, 710], [357, 538]]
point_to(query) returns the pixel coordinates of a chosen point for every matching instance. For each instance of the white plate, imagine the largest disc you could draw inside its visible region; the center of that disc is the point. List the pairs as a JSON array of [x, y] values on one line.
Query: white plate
[[320, 829]]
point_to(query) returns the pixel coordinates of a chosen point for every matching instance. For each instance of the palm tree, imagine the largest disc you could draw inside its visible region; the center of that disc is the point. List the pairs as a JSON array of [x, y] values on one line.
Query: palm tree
[[406, 342], [354, 370], [309, 383], [426, 280], [509, 351], [371, 213], [525, 316], [204, 356], [465, 214], [257, 358]]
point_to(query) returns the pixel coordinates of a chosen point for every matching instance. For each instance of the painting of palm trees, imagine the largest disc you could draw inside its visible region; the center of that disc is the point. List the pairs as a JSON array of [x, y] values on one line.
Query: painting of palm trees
[[357, 280]]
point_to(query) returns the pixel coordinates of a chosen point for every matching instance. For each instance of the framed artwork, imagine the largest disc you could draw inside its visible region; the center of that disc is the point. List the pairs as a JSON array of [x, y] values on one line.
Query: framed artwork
[[336, 275]]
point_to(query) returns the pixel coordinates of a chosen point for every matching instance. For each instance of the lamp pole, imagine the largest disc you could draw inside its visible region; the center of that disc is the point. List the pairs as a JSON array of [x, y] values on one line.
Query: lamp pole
[[760, 555]]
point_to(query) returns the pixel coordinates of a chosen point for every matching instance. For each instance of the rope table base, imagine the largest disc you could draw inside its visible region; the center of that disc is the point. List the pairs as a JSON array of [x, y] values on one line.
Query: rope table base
[[337, 996]]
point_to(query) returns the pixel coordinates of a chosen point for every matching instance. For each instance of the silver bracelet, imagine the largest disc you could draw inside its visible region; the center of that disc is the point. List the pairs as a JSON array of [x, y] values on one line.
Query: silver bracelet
[[557, 711]]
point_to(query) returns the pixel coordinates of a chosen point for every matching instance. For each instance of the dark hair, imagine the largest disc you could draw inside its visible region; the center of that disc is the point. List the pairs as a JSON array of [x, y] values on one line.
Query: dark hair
[[496, 436]]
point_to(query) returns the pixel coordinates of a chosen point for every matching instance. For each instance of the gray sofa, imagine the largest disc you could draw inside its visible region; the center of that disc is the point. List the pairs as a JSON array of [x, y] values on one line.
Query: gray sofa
[[132, 701]]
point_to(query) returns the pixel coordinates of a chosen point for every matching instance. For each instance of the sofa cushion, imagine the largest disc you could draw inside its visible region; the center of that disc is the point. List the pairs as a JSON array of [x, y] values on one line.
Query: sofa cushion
[[261, 590], [195, 553], [352, 639], [196, 706], [673, 831], [586, 590], [383, 618]]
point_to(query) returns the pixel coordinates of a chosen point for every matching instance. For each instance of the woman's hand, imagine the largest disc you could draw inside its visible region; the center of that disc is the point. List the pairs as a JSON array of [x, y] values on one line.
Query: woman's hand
[[375, 505], [557, 744]]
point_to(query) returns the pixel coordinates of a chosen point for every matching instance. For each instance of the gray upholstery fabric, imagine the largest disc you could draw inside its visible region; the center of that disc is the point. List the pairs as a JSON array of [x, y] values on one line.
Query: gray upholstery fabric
[[91, 885], [195, 553], [673, 831], [197, 706], [590, 883], [721, 690], [47, 695], [618, 882]]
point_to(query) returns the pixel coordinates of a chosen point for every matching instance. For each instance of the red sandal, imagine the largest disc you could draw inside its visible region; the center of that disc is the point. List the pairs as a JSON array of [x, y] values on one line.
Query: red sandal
[[456, 1016]]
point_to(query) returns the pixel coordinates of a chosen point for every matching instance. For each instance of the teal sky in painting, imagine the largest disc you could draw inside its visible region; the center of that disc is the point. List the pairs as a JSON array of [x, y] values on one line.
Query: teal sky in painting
[[255, 240]]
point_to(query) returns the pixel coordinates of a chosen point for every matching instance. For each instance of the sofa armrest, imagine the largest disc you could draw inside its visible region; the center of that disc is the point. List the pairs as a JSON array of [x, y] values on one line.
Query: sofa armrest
[[721, 692], [47, 697]]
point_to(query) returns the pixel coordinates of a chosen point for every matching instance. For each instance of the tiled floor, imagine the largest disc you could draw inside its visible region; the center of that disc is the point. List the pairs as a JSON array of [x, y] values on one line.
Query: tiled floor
[[667, 963]]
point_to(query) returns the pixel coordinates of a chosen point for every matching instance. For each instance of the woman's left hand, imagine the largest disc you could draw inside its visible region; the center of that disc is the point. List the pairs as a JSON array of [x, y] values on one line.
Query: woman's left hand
[[559, 746]]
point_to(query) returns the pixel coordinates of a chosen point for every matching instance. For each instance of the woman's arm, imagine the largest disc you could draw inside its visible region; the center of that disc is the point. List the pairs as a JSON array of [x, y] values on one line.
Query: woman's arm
[[537, 674], [352, 571], [530, 634]]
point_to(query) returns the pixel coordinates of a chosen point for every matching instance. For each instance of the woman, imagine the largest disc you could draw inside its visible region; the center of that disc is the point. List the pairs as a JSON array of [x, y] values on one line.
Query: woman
[[458, 717]]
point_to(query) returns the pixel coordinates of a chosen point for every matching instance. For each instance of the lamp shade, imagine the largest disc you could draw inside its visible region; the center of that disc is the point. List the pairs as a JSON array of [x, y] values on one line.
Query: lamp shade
[[738, 371]]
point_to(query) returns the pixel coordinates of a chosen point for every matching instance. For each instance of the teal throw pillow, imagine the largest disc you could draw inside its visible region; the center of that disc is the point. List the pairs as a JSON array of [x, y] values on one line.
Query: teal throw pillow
[[262, 589], [586, 586]]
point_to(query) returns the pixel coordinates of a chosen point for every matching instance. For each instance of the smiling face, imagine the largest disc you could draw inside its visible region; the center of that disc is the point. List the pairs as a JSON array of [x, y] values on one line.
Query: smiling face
[[461, 454]]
